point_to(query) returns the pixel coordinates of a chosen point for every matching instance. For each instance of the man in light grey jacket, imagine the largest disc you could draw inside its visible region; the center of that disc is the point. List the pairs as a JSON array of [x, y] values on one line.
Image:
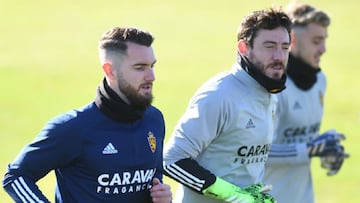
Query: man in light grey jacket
[[220, 145]]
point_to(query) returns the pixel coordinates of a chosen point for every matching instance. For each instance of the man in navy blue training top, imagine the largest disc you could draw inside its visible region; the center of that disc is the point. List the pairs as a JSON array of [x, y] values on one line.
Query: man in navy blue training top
[[109, 150]]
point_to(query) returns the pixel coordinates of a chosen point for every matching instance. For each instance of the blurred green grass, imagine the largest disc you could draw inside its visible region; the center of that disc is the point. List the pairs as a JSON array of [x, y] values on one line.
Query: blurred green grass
[[48, 65]]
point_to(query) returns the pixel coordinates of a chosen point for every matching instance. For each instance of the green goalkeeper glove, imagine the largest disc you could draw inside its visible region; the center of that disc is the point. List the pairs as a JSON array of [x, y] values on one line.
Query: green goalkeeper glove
[[228, 192]]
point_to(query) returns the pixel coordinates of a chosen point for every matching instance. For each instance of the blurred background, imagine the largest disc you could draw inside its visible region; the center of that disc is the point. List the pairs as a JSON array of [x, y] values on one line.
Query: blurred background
[[49, 64]]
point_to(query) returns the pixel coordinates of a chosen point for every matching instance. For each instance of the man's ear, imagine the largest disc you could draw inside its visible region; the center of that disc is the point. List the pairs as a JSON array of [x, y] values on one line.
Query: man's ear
[[242, 47], [293, 39], [109, 71]]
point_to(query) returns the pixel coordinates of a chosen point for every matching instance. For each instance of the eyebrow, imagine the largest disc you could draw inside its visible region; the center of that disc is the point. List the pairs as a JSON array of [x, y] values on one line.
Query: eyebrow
[[273, 42], [144, 64], [319, 37]]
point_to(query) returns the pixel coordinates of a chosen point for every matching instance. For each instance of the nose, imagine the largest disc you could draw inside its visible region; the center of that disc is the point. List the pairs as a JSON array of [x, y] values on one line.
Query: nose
[[322, 48], [150, 75], [279, 54]]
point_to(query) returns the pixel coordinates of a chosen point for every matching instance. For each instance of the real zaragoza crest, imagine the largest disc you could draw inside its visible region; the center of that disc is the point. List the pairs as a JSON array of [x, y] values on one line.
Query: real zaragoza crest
[[152, 141]]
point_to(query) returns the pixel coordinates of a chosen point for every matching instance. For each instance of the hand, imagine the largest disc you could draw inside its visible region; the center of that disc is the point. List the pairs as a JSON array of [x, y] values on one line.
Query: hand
[[160, 193], [325, 144], [258, 191], [229, 192], [258, 188], [333, 134], [333, 162]]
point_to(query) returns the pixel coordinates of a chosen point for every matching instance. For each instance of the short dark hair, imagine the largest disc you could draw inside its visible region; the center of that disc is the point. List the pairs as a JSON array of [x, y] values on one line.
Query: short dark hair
[[304, 14], [115, 39], [262, 19]]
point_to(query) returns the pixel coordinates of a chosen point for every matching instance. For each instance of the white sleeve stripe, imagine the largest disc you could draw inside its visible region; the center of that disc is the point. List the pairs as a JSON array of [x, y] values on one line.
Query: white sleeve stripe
[[185, 173], [22, 192], [282, 155], [280, 151], [36, 198], [18, 193], [276, 148], [184, 177], [182, 180]]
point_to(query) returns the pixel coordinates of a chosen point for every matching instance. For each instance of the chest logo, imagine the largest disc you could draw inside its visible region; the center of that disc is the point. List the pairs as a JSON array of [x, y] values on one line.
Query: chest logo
[[110, 149], [297, 106], [152, 141], [250, 124]]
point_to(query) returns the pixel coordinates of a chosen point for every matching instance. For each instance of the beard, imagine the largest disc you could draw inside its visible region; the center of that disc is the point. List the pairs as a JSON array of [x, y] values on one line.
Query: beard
[[261, 66], [137, 100]]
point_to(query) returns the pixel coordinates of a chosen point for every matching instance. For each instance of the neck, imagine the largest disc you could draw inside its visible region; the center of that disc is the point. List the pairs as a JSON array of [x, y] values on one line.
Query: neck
[[271, 85], [113, 106], [114, 87], [303, 75]]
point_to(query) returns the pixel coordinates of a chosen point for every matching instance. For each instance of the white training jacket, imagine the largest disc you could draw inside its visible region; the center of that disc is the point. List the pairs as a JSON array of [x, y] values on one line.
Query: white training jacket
[[288, 167], [227, 128]]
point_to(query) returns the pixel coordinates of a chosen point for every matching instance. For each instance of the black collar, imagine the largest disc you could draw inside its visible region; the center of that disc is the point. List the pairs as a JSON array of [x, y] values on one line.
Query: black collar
[[114, 107], [303, 75], [271, 85]]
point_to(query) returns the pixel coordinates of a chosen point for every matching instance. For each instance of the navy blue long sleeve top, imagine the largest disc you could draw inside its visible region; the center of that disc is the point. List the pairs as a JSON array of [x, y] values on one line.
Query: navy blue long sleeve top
[[95, 158]]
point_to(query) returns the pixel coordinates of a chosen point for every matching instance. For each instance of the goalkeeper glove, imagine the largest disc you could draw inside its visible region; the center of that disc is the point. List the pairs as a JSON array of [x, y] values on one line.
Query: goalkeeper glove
[[258, 191], [228, 192], [333, 161], [326, 143]]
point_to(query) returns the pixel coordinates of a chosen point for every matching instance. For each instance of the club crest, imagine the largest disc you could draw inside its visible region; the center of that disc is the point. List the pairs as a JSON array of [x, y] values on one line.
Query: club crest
[[152, 141]]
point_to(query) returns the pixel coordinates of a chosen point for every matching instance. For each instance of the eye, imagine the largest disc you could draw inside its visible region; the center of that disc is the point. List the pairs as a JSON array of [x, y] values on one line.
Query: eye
[[269, 45], [285, 47], [318, 41], [139, 67]]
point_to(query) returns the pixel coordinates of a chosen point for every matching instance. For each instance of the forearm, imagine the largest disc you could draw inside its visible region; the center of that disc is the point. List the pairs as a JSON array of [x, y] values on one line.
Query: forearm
[[288, 154], [23, 189], [189, 173]]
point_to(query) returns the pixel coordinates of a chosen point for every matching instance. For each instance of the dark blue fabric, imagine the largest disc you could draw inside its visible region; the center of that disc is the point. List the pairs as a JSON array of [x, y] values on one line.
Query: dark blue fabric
[[95, 158]]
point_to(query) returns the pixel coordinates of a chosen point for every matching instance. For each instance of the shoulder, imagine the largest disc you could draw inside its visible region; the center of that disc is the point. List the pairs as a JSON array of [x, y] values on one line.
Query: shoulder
[[321, 77], [221, 81], [221, 88], [154, 113], [73, 120], [220, 95], [152, 110], [75, 115]]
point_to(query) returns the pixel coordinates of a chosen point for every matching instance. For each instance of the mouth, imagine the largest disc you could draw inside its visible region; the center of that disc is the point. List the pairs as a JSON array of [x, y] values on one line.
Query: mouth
[[146, 87], [277, 68], [276, 71]]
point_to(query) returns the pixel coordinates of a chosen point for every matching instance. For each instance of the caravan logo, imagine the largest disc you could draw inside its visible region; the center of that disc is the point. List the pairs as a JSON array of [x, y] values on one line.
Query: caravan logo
[[125, 182], [253, 153]]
